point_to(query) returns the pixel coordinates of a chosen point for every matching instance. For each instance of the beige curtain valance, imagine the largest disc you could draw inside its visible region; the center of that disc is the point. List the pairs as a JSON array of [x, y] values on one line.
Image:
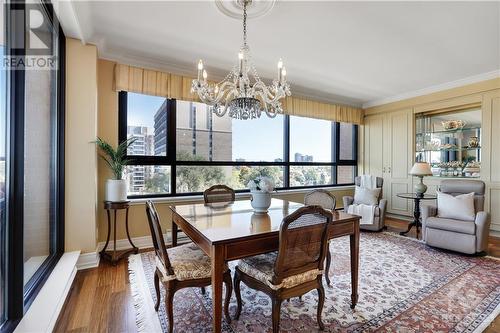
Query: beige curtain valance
[[295, 106], [150, 82]]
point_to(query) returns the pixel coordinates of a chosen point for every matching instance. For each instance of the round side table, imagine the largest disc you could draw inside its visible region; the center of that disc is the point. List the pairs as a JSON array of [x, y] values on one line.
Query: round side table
[[416, 211], [114, 256]]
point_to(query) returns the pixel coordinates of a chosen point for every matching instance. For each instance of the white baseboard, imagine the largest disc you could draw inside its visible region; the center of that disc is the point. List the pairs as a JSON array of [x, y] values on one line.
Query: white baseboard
[[88, 260], [495, 233], [399, 217], [44, 311], [91, 259]]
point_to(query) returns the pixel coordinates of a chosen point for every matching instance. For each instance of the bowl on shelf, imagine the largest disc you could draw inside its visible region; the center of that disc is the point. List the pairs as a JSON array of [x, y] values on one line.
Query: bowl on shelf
[[453, 124], [473, 142]]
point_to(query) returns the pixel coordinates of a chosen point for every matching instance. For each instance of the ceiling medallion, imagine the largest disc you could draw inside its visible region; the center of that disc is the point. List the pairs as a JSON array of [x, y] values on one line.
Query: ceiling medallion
[[255, 8], [242, 94]]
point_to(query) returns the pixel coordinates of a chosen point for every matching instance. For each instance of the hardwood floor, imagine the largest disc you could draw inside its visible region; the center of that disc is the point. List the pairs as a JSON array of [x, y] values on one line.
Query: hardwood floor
[[100, 299]]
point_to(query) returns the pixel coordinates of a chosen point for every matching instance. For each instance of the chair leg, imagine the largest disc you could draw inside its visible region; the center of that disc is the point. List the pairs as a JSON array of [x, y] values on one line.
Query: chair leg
[[169, 306], [203, 291], [229, 291], [157, 289], [276, 314], [327, 268], [237, 293], [321, 302]]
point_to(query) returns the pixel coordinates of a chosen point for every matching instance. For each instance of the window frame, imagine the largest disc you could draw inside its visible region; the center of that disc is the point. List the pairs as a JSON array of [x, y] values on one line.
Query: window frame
[[18, 296], [170, 158]]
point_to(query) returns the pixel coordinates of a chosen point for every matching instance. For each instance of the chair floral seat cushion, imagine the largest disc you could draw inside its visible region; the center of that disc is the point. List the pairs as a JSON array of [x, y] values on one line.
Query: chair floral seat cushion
[[188, 261], [261, 268]]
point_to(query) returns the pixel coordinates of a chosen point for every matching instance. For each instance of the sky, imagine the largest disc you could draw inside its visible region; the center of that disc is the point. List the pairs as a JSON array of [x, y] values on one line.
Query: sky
[[254, 140]]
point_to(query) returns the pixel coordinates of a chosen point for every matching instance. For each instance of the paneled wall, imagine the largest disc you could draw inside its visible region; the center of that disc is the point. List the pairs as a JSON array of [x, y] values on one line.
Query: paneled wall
[[389, 148]]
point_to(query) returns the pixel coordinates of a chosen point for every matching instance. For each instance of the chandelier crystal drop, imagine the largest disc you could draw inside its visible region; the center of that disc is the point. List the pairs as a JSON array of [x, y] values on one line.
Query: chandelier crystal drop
[[242, 94]]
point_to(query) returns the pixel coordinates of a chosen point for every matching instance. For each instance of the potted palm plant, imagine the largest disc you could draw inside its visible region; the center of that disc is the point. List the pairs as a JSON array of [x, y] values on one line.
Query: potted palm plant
[[116, 188]]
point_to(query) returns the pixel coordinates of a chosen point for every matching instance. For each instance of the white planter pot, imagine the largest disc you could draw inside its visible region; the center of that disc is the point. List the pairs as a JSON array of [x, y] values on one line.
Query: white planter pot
[[261, 201], [116, 190]]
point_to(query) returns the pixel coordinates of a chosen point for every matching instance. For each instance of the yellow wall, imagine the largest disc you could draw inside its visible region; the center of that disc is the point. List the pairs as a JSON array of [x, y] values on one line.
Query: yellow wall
[[80, 154], [108, 130]]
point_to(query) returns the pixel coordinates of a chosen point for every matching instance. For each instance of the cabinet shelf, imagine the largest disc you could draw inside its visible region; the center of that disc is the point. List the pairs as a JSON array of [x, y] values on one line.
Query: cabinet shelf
[[450, 149], [459, 130]]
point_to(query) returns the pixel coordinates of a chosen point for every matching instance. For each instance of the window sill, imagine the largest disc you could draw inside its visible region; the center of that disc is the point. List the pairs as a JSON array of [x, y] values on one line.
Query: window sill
[[239, 196]]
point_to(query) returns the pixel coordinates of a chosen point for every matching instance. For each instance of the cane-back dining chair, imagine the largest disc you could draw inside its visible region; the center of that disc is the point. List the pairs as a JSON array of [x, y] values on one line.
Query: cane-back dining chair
[[327, 201], [180, 267], [219, 194], [296, 268]]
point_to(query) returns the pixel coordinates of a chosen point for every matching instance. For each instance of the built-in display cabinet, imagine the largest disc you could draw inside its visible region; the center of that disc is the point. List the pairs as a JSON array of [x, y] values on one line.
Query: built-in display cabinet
[[450, 142], [456, 131]]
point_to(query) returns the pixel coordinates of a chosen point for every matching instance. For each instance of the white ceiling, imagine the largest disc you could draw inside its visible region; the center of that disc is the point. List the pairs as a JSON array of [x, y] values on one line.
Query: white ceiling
[[359, 53]]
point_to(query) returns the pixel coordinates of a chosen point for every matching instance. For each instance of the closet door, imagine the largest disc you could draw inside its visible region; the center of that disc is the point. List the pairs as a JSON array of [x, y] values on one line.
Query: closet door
[[398, 160]]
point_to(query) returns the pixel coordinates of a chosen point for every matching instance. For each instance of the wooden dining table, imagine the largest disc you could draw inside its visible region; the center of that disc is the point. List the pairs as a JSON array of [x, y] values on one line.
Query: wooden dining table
[[233, 231]]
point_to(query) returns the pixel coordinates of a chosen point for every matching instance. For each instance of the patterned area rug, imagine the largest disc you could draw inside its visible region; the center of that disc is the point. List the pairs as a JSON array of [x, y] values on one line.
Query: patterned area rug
[[404, 286]]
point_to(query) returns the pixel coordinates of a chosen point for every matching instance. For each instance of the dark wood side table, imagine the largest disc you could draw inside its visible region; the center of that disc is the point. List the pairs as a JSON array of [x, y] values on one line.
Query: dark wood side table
[[114, 256], [416, 211]]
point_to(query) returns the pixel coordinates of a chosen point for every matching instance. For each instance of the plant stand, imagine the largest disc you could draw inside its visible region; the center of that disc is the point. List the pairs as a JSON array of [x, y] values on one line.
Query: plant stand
[[114, 256]]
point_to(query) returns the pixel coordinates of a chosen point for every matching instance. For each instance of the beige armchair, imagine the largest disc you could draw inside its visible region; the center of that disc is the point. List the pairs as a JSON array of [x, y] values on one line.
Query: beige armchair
[[462, 236], [379, 220]]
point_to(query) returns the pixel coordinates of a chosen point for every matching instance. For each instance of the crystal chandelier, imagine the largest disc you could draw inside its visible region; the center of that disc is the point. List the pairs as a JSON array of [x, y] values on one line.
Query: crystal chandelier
[[242, 93]]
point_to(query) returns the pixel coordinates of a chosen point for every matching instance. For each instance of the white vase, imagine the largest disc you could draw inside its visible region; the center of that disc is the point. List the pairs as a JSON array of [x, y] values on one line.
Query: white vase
[[116, 190], [261, 201]]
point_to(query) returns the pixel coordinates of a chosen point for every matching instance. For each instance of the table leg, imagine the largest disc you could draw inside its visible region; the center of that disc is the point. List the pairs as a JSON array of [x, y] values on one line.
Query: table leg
[[217, 258], [128, 234], [109, 233], [114, 239], [354, 242], [416, 218], [174, 232]]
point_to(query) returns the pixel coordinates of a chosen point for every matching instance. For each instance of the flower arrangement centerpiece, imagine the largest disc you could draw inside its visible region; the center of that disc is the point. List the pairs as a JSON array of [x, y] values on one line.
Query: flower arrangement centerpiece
[[261, 188]]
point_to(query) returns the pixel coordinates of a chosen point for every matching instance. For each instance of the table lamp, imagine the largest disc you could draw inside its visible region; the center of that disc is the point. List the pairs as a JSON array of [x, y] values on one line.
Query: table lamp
[[421, 169]]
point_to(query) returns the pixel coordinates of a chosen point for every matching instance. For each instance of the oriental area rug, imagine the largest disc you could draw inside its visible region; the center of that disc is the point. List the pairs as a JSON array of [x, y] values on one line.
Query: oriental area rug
[[404, 286]]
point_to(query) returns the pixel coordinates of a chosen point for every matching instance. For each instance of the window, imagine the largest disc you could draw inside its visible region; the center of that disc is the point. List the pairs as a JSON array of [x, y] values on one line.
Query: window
[[204, 149], [3, 147], [310, 140], [201, 135], [147, 123], [31, 156]]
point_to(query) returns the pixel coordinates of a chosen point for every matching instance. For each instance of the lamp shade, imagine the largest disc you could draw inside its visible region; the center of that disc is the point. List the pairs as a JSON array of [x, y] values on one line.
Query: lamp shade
[[421, 169]]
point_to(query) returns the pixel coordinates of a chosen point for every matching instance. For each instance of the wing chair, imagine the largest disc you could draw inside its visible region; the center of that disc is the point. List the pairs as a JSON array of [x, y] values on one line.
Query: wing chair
[[379, 220], [462, 236]]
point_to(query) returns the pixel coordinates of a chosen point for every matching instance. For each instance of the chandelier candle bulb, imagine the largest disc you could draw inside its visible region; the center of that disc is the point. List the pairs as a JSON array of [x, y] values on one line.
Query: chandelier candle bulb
[[205, 75], [240, 57], [200, 68]]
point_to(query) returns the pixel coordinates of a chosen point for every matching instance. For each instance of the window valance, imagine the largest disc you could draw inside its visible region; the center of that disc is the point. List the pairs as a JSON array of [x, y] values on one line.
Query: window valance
[[296, 106], [151, 82]]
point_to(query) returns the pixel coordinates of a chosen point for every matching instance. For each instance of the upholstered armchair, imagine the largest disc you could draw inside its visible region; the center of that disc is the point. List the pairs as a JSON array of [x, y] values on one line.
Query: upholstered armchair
[[462, 236], [379, 220]]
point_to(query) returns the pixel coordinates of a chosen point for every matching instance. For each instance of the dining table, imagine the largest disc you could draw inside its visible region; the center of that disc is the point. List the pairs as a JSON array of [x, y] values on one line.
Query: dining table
[[227, 232]]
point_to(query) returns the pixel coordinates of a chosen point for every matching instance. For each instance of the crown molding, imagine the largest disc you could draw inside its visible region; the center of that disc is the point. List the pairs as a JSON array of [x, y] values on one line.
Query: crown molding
[[69, 20], [177, 68], [433, 89]]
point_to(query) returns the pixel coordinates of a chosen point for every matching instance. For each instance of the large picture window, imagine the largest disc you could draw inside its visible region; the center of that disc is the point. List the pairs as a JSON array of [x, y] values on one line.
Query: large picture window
[[31, 155], [183, 148]]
